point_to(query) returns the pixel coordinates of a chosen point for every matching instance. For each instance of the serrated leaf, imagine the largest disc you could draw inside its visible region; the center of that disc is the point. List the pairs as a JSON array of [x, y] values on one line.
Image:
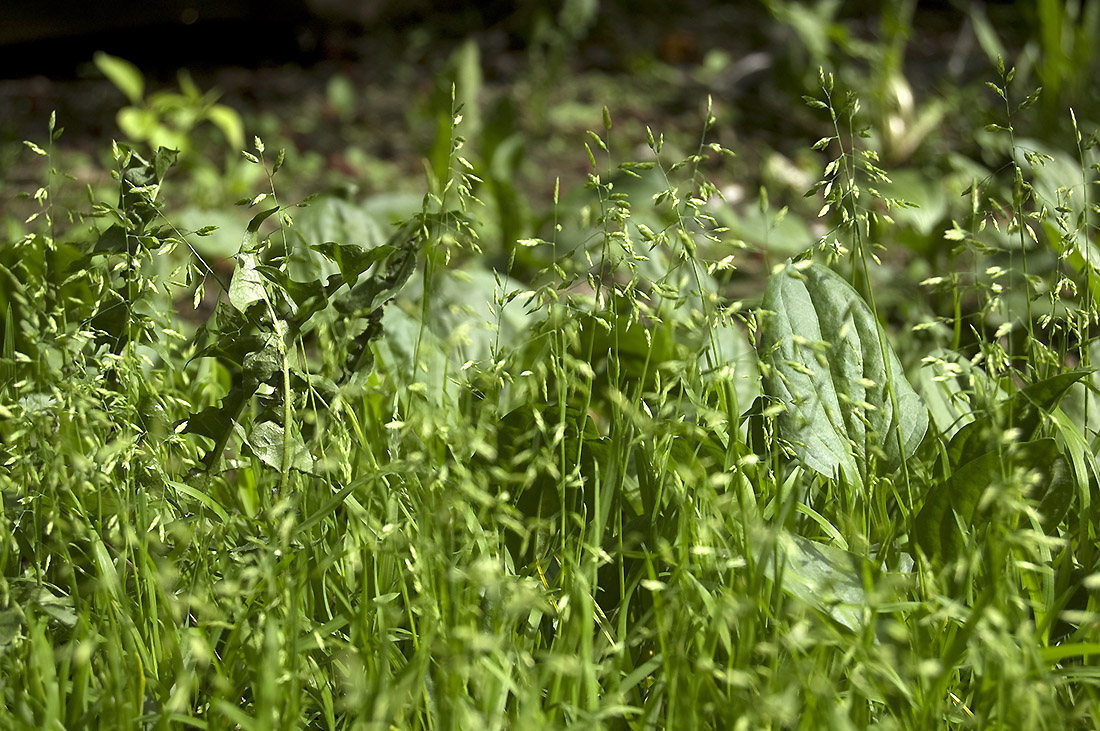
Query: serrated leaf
[[247, 286], [260, 365], [381, 287], [252, 233], [309, 297], [836, 375], [232, 347], [211, 422], [111, 241], [164, 159], [352, 259], [266, 442]]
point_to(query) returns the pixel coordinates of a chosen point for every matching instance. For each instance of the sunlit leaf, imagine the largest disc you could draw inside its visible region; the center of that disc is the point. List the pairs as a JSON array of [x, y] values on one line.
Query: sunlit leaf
[[266, 442], [352, 259], [247, 286], [122, 74], [821, 576], [830, 366]]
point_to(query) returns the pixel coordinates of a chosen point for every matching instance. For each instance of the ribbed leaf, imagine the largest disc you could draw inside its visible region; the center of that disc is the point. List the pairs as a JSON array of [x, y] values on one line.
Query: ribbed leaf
[[837, 376]]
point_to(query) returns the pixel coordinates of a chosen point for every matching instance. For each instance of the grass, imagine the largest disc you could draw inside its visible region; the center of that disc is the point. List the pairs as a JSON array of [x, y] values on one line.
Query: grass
[[400, 478]]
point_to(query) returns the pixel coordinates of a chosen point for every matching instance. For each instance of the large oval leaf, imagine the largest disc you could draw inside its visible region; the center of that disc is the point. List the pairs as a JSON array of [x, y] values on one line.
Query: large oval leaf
[[845, 393]]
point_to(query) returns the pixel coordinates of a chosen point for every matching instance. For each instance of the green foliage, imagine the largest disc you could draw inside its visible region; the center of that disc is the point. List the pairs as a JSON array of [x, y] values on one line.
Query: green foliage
[[391, 479], [167, 118], [847, 405]]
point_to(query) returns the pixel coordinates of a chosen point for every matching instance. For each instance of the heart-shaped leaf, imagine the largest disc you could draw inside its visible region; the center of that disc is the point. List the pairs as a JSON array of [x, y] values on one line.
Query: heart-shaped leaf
[[266, 442]]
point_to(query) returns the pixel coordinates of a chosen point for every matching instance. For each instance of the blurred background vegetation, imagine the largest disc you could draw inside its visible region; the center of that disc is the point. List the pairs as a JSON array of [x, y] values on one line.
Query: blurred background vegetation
[[840, 116], [359, 95]]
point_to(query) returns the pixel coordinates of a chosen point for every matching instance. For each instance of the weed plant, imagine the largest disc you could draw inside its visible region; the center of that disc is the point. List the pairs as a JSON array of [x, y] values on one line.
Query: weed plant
[[385, 486]]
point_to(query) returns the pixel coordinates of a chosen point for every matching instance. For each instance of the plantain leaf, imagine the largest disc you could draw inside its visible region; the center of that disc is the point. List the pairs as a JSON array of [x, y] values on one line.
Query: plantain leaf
[[825, 577], [979, 456], [1023, 411], [952, 503], [828, 362]]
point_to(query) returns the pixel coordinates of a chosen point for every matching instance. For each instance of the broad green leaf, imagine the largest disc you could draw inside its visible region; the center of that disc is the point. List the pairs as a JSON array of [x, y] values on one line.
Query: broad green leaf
[[830, 365], [229, 122], [824, 577], [122, 74], [260, 365], [266, 442], [137, 124], [379, 288], [352, 259], [1023, 411], [953, 502], [333, 218], [59, 606], [979, 456], [232, 347], [222, 242], [111, 241], [770, 230], [252, 233], [926, 195], [164, 159], [309, 298], [247, 286], [215, 421], [464, 311], [414, 357]]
